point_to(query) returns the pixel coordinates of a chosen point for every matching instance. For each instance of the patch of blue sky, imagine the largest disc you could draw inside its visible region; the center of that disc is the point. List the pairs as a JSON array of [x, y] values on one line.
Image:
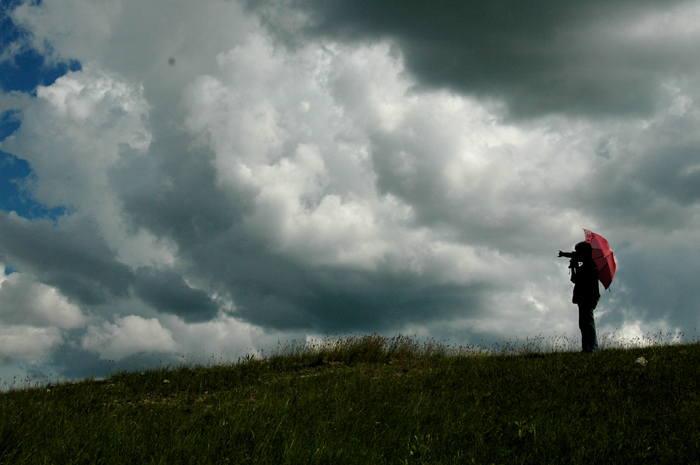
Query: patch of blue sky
[[27, 69], [24, 72], [15, 175]]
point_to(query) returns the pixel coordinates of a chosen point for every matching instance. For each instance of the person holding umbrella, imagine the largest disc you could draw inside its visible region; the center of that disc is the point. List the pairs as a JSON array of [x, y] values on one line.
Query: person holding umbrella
[[592, 261], [584, 275]]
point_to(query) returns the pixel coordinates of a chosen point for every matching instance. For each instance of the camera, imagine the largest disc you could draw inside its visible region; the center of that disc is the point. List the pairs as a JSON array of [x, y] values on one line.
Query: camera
[[574, 258]]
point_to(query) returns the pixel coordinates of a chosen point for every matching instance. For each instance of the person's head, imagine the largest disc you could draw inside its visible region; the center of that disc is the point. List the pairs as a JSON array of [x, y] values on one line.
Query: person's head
[[584, 250]]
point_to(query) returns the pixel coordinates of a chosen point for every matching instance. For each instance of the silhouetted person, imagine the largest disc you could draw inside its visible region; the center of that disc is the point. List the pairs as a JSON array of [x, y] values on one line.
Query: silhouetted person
[[584, 275]]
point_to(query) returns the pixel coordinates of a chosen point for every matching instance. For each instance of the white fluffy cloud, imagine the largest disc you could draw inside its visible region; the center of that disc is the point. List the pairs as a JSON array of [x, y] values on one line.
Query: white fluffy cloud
[[224, 338], [33, 317], [129, 335], [24, 301], [72, 135], [25, 343]]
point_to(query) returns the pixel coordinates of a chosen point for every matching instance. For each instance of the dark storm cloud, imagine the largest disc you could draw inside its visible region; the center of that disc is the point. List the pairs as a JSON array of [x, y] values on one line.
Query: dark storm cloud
[[651, 179], [538, 56], [168, 292], [173, 192], [272, 291], [369, 300], [75, 259], [72, 256]]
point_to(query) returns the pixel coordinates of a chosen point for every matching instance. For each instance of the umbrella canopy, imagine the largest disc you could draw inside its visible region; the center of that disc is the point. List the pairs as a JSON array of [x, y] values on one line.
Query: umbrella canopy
[[602, 256]]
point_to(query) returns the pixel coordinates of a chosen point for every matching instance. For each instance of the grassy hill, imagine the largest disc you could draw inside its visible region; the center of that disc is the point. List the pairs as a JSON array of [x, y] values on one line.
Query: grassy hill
[[373, 400]]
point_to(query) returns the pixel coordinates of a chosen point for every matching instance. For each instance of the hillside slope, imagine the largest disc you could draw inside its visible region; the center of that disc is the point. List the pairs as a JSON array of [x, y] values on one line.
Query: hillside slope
[[372, 400]]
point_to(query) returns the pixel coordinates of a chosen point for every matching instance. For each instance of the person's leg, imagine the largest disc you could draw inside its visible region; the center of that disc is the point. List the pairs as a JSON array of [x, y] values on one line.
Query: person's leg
[[582, 327], [586, 323], [593, 336]]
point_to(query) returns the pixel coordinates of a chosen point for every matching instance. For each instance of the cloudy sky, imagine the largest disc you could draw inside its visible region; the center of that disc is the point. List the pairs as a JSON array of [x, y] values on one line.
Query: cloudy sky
[[197, 180]]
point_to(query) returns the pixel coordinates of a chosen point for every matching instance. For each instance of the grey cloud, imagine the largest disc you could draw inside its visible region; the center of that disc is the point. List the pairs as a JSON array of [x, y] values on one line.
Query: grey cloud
[[654, 179], [277, 293], [539, 56], [410, 168], [659, 283], [673, 172], [74, 258], [167, 291], [71, 256], [386, 300], [172, 191], [73, 362]]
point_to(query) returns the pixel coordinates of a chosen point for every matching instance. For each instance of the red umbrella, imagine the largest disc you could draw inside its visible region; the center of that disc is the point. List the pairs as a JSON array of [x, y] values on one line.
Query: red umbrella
[[602, 256]]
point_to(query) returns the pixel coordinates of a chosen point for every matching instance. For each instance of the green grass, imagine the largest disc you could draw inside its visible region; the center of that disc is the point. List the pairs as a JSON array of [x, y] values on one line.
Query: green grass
[[374, 400]]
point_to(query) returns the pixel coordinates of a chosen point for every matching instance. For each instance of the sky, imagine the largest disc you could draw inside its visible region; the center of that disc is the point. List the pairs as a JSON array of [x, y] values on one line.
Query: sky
[[194, 181]]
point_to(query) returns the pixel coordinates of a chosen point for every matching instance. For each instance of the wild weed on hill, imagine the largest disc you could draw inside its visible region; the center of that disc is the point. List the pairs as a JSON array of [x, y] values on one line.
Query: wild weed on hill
[[371, 399]]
